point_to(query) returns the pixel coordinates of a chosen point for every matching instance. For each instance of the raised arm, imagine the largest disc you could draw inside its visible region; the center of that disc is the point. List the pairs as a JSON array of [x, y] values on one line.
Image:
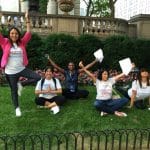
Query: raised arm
[[88, 66], [27, 22], [55, 65], [87, 72], [117, 77], [27, 36]]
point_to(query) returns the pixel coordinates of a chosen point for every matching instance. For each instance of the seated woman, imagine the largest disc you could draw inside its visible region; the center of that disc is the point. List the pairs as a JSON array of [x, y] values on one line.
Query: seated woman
[[140, 89], [104, 102], [71, 90], [47, 90]]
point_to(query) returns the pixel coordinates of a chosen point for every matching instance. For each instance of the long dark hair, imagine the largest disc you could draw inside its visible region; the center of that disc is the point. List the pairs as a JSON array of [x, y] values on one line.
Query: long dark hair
[[48, 67], [139, 77], [100, 72], [19, 37]]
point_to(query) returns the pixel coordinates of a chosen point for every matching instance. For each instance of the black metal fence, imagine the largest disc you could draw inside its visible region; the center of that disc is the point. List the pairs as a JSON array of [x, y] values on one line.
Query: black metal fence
[[122, 139]]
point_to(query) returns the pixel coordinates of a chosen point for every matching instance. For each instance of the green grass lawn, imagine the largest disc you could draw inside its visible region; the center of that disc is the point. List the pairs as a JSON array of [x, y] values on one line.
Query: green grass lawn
[[75, 115]]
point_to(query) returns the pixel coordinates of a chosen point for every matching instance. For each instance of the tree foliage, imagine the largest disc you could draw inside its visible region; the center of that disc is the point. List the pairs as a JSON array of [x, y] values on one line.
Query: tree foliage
[[100, 8], [43, 6]]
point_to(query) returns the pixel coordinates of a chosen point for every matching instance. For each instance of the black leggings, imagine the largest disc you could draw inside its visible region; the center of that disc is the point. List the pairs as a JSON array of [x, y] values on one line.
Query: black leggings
[[13, 80], [59, 100]]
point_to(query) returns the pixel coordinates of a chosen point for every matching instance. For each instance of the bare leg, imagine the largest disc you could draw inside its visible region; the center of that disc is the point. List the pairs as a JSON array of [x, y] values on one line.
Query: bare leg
[[50, 105]]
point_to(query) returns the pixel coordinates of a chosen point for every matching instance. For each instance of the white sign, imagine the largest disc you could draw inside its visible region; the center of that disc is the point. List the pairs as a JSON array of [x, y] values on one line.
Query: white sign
[[125, 65], [99, 55]]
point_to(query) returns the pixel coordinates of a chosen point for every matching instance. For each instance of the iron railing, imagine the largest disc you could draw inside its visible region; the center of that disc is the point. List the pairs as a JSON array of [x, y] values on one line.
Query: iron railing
[[121, 139]]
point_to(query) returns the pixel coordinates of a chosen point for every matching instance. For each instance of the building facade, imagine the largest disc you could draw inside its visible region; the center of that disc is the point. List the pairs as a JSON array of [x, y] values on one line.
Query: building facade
[[12, 5], [126, 9]]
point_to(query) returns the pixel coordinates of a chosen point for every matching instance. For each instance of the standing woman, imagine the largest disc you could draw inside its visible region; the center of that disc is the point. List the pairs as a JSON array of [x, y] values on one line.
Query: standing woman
[[104, 102], [14, 61], [140, 89]]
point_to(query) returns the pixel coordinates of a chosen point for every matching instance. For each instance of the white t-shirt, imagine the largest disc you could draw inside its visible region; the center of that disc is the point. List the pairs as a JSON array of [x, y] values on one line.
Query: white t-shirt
[[48, 83], [142, 92], [104, 89], [15, 61]]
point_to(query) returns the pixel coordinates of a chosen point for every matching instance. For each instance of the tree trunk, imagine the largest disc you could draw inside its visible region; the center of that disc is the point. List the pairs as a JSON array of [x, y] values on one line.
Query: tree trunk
[[88, 7], [112, 7]]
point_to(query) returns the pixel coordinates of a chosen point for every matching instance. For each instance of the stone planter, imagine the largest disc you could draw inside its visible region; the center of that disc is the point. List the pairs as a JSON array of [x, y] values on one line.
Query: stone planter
[[66, 5]]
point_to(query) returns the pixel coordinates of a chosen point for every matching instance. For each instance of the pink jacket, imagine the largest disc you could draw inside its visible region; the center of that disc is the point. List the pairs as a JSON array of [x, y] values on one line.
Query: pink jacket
[[6, 45]]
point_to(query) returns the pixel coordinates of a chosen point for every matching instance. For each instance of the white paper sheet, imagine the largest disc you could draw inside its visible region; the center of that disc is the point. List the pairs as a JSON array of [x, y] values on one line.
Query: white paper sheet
[[99, 55], [125, 65]]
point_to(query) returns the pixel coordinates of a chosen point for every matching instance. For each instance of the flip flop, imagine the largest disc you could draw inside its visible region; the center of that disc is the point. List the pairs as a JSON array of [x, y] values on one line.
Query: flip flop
[[120, 114]]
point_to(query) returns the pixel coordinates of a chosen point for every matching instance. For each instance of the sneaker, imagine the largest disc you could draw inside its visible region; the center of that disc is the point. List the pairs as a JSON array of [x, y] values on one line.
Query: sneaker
[[20, 88], [55, 109], [18, 112], [103, 113]]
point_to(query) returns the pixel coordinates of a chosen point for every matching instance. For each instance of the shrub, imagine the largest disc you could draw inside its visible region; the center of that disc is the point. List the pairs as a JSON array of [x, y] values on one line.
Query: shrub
[[119, 47], [62, 48], [35, 52], [113, 51], [142, 49], [88, 44]]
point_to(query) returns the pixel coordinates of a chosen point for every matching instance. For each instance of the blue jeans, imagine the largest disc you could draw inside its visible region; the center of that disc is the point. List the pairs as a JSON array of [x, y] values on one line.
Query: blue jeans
[[13, 80], [111, 105]]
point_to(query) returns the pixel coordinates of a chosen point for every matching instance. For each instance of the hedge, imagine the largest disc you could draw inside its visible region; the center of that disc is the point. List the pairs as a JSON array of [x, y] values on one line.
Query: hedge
[[64, 48]]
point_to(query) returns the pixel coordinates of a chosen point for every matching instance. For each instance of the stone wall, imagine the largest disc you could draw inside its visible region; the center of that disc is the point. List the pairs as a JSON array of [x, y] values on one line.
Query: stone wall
[[77, 25]]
